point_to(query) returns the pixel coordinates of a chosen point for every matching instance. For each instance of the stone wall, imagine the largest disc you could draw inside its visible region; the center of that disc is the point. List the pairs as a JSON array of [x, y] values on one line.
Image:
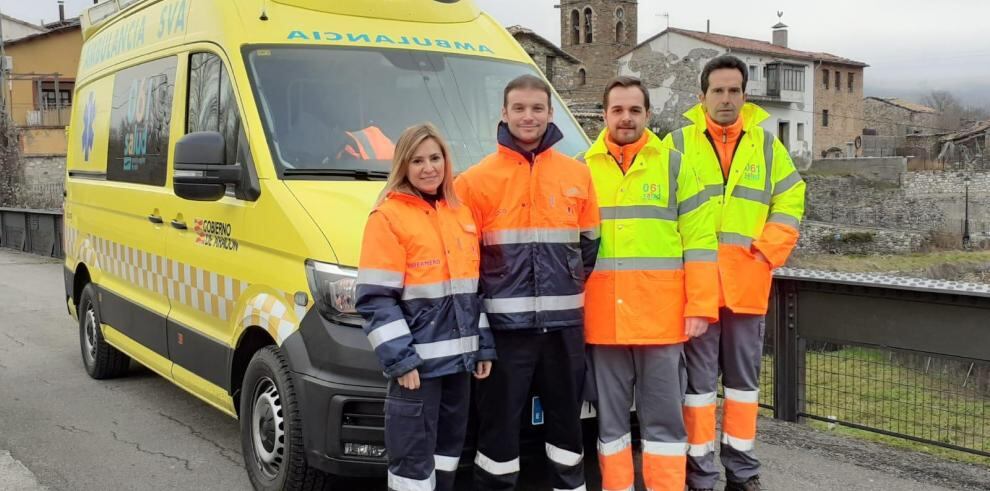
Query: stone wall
[[931, 202], [927, 183], [844, 106], [883, 169], [39, 182], [820, 237]]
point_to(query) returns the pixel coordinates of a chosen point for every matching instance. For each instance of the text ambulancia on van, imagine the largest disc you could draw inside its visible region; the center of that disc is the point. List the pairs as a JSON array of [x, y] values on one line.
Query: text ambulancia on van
[[224, 156]]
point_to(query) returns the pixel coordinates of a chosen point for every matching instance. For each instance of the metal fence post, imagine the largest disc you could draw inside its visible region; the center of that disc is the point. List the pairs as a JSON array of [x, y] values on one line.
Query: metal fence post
[[788, 359]]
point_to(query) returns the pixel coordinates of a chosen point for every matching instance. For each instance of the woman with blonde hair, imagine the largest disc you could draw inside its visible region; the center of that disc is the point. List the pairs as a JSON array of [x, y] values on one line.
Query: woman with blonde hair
[[417, 290]]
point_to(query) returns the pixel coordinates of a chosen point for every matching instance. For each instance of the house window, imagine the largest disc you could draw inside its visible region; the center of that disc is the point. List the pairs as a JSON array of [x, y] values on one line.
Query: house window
[[851, 80], [49, 99], [589, 27], [825, 75], [794, 78], [838, 80], [753, 74], [620, 26], [800, 132], [582, 77], [575, 27], [825, 118], [549, 71]]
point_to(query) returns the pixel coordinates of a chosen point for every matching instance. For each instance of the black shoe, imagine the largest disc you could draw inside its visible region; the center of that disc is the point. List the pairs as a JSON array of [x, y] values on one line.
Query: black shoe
[[753, 484]]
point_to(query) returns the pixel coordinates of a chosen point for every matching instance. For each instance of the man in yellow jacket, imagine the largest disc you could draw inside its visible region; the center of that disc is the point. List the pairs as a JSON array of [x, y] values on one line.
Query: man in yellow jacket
[[760, 197], [654, 285]]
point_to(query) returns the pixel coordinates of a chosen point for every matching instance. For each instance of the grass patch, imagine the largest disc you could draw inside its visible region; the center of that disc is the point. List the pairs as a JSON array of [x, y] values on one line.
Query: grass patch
[[870, 388]]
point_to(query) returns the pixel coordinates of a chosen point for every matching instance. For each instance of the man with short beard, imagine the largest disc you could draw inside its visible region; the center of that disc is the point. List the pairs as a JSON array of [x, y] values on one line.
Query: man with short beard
[[655, 285]]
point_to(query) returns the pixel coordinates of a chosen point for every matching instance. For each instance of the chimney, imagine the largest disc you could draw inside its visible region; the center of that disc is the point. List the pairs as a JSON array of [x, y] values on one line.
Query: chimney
[[780, 31], [61, 10], [708, 25]]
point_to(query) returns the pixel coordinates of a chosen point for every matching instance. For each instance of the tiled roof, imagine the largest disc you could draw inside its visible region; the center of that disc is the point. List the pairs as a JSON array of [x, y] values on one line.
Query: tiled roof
[[756, 46], [901, 103]]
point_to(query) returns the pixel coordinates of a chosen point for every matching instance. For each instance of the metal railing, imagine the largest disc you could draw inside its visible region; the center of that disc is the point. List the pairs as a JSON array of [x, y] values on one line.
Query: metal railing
[[903, 357]]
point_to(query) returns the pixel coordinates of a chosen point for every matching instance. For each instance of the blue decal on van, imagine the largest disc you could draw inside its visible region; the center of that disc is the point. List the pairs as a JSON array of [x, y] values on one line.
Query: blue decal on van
[[88, 137], [382, 39]]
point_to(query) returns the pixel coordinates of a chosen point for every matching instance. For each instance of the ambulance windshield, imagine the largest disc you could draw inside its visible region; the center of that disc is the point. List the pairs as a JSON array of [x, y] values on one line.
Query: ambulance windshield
[[339, 109]]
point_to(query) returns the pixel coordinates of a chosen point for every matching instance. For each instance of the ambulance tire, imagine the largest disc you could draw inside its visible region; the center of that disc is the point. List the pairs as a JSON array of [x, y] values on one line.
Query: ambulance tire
[[101, 360], [271, 427]]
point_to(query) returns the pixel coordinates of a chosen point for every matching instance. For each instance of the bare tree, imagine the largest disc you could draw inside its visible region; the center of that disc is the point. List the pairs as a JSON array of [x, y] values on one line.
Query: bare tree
[[9, 161], [948, 106]]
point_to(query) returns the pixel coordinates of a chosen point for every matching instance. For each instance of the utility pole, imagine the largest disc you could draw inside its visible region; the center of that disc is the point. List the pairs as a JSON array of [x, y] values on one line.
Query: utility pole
[[965, 236]]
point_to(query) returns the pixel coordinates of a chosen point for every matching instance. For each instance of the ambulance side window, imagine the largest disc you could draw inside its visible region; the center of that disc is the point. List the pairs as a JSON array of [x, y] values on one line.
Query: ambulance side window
[[211, 102], [140, 119]]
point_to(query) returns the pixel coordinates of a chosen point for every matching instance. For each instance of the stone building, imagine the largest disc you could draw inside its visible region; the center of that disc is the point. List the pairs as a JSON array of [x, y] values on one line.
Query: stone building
[[597, 32], [889, 116], [560, 68], [780, 79], [839, 112]]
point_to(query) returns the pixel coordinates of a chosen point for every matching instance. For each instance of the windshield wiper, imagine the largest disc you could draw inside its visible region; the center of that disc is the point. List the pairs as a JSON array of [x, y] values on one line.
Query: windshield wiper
[[356, 174]]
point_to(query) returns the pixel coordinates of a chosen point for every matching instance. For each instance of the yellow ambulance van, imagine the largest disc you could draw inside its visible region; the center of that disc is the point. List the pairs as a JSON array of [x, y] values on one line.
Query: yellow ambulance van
[[223, 157]]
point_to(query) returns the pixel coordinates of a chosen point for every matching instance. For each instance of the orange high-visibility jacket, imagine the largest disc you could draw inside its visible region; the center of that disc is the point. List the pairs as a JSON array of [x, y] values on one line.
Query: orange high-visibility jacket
[[538, 218], [417, 288], [657, 260], [368, 144]]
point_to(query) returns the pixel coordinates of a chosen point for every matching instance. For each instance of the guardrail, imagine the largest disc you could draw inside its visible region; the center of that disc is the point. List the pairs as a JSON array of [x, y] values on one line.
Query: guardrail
[[35, 231], [902, 357]]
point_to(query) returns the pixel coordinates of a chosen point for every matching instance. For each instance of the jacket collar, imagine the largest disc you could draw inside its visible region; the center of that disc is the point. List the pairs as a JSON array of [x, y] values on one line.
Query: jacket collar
[[508, 145], [653, 145], [751, 115], [412, 199]]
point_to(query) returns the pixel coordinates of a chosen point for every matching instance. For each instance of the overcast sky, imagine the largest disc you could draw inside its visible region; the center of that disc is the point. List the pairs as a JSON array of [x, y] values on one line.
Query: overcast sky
[[912, 46]]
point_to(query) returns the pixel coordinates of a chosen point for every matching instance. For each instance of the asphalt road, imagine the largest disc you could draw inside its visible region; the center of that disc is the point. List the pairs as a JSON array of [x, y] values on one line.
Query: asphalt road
[[61, 430]]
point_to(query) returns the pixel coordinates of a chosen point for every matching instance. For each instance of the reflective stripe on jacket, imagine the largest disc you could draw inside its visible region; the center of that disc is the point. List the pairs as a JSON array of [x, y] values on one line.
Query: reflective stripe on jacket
[[761, 204], [539, 225], [368, 144], [656, 263], [417, 288]]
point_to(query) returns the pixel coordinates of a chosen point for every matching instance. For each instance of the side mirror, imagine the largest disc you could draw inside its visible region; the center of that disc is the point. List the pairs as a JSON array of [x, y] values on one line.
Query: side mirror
[[201, 172]]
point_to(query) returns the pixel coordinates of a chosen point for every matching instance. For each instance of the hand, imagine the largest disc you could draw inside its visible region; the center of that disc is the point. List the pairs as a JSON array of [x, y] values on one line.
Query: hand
[[482, 369], [410, 380], [695, 326]]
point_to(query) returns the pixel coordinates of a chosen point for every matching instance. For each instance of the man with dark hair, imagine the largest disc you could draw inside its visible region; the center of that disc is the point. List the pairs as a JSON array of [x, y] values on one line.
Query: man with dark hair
[[655, 285], [538, 217], [759, 194]]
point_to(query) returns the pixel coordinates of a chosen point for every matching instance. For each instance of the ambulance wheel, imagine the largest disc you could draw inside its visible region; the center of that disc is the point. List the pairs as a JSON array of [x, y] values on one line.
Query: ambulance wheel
[[101, 360], [271, 427]]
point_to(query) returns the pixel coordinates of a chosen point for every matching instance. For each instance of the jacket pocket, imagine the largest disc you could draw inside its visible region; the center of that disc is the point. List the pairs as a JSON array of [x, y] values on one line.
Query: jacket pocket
[[745, 280], [405, 428]]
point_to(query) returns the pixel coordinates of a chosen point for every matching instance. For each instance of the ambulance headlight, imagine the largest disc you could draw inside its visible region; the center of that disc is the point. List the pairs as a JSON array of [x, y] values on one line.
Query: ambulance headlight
[[334, 290]]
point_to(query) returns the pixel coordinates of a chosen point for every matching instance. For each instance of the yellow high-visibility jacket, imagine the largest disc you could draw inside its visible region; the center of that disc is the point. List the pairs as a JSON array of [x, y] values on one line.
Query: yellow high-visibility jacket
[[760, 204], [656, 262]]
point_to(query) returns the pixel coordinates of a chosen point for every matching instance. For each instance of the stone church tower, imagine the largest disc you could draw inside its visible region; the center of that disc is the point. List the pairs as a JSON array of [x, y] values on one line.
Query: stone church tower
[[597, 32]]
